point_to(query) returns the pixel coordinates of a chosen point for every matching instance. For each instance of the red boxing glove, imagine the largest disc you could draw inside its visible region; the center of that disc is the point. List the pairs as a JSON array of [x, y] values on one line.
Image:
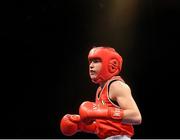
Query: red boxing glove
[[71, 124], [90, 110]]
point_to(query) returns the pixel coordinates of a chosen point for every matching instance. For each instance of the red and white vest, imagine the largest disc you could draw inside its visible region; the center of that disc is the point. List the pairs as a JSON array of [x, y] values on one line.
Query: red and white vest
[[107, 128]]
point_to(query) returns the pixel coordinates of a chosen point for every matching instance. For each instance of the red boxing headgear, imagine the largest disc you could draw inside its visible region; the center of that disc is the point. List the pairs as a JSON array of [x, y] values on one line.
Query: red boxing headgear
[[111, 62]]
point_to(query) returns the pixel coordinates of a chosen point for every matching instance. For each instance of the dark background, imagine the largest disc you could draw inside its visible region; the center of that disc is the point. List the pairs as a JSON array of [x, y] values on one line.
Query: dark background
[[44, 61]]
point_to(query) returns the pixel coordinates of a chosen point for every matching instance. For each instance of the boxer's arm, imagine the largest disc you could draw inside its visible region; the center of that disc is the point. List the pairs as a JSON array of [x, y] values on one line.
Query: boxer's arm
[[121, 93]]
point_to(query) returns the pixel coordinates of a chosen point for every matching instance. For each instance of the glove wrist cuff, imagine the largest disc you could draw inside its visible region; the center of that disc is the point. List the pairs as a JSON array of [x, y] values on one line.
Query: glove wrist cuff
[[116, 113]]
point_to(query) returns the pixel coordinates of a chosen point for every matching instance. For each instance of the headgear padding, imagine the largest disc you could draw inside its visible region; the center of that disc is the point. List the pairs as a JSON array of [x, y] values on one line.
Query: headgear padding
[[111, 62]]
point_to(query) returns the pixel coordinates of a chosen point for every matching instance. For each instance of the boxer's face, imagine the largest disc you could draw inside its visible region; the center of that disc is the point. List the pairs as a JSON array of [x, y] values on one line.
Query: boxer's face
[[94, 67]]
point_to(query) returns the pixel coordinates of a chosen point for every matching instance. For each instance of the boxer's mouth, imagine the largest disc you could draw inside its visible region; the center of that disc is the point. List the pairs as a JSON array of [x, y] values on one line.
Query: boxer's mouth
[[92, 72]]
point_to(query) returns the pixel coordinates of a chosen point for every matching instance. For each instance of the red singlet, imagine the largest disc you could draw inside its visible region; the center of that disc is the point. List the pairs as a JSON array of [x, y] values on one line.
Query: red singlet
[[110, 127]]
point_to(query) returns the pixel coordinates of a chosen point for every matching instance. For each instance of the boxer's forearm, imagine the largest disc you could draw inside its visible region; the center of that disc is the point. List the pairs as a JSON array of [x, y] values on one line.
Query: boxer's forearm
[[131, 117]]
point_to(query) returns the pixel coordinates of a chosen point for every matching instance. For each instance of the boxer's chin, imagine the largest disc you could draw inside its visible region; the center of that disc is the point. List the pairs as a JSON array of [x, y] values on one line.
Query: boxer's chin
[[93, 76]]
